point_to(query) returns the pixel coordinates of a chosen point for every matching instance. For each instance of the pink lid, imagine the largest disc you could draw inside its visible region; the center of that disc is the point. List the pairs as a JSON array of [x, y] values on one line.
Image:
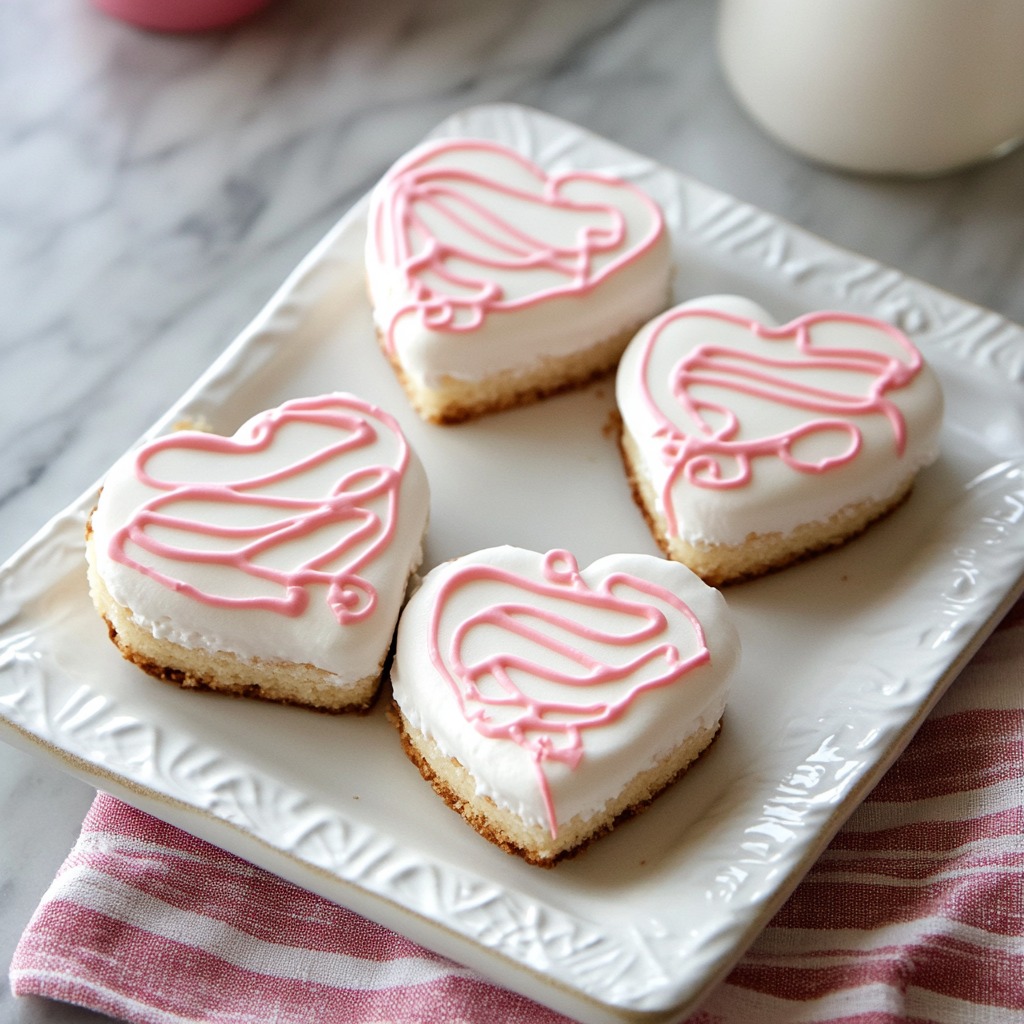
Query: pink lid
[[181, 15]]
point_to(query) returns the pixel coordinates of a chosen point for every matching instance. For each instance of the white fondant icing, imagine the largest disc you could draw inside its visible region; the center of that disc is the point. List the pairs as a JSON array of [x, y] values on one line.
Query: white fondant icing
[[353, 544], [478, 262], [657, 721], [778, 497]]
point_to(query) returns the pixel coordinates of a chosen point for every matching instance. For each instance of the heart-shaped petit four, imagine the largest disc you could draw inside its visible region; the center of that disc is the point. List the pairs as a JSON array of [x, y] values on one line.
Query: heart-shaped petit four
[[750, 445], [272, 563], [545, 702], [495, 282]]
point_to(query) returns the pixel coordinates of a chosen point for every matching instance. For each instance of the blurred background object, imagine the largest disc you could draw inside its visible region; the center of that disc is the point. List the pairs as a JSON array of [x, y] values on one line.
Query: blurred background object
[[181, 15], [915, 87]]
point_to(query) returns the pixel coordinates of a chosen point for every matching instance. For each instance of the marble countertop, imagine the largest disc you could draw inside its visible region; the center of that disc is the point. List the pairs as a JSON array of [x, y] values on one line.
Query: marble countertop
[[154, 191]]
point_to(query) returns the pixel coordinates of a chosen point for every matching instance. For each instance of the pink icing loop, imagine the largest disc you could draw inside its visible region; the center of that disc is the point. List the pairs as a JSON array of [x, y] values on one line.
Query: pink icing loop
[[715, 435], [561, 567], [539, 638], [455, 285], [351, 599], [357, 515]]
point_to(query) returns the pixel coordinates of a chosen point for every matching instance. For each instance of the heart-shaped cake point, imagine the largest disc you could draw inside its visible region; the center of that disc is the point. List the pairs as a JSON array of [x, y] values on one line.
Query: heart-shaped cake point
[[272, 563], [495, 282], [750, 445], [545, 702]]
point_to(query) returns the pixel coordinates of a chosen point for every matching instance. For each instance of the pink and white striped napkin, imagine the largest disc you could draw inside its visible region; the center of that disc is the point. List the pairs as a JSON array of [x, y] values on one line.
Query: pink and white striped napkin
[[915, 913]]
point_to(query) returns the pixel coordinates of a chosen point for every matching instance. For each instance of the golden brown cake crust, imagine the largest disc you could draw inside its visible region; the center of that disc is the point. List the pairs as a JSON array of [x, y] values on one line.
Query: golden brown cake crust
[[221, 672], [456, 401], [761, 553], [544, 853], [252, 691]]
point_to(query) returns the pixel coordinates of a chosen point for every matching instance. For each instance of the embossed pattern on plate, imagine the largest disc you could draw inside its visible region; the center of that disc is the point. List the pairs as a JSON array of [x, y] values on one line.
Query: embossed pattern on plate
[[844, 656]]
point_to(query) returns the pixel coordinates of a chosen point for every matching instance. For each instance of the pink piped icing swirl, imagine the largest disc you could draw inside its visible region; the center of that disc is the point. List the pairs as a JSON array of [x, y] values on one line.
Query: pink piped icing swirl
[[541, 634], [710, 447], [359, 510], [455, 285]]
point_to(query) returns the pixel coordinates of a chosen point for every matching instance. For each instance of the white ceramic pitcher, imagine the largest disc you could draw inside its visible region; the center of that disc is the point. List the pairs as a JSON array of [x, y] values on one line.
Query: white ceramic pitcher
[[915, 87]]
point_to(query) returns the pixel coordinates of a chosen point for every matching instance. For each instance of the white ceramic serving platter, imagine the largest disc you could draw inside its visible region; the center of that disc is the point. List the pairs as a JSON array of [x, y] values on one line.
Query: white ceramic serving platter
[[843, 656]]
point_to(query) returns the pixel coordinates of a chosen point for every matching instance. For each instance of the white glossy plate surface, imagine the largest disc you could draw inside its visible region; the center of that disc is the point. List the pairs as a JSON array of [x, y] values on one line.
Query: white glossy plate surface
[[843, 656]]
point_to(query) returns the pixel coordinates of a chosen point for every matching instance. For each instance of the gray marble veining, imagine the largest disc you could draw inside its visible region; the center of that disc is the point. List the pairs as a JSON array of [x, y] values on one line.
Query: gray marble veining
[[154, 191]]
